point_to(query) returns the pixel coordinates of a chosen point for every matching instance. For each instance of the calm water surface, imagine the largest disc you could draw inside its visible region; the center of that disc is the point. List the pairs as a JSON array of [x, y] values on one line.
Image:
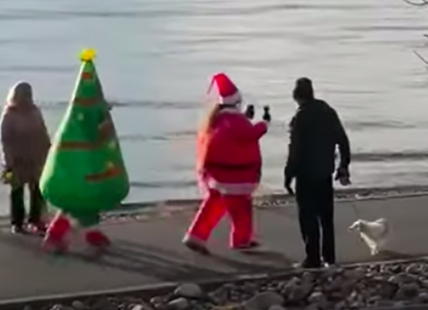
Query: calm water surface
[[155, 58]]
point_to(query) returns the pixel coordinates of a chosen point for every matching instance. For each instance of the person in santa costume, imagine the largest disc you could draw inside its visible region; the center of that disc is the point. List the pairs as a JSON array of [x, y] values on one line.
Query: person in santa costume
[[229, 165]]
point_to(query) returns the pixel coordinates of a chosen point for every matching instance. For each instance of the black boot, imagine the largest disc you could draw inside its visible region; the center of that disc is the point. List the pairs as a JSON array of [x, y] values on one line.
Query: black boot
[[37, 209], [17, 209]]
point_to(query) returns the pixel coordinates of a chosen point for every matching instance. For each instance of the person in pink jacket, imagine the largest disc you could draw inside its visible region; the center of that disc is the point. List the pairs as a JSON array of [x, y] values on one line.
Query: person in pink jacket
[[229, 165]]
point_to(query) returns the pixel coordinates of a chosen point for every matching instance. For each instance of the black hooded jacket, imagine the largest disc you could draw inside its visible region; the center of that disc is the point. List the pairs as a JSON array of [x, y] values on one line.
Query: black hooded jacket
[[315, 131]]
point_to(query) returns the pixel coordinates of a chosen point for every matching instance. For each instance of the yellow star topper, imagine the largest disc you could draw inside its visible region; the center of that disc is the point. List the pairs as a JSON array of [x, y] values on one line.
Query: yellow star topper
[[87, 55]]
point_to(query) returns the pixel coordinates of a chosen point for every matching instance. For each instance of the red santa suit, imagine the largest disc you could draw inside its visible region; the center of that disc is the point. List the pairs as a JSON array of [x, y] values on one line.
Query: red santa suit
[[229, 169]]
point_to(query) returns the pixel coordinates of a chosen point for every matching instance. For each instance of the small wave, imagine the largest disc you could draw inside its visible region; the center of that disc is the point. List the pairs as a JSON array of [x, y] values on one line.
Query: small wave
[[183, 105], [35, 68], [390, 156], [146, 104], [386, 124], [355, 91], [357, 157], [168, 136], [268, 8], [74, 14], [207, 39], [147, 12], [277, 161], [164, 184], [394, 28], [233, 35]]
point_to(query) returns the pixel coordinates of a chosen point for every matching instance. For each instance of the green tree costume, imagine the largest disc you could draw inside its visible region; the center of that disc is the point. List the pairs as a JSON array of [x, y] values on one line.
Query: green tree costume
[[84, 172]]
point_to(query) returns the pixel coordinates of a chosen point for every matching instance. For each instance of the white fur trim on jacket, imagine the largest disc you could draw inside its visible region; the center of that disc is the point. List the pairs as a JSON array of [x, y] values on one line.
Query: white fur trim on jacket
[[232, 188], [232, 99]]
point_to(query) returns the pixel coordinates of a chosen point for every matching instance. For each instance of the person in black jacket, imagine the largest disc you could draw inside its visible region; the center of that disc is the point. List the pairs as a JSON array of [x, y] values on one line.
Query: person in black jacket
[[315, 131]]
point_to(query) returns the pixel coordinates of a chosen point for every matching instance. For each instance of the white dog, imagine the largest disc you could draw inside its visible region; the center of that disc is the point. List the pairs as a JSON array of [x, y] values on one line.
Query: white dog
[[374, 234]]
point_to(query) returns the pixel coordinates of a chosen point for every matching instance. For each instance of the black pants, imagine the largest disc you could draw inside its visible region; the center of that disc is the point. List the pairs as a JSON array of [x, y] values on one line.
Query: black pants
[[315, 199], [17, 205]]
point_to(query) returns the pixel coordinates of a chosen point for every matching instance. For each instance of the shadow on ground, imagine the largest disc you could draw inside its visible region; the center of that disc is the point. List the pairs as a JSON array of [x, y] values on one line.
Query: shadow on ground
[[163, 264]]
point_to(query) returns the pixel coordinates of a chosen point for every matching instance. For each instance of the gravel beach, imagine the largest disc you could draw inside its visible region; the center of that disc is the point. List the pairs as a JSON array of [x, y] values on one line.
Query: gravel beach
[[357, 287]]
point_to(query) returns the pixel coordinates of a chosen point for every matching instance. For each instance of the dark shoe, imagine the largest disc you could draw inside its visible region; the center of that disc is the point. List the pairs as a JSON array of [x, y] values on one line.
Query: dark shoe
[[249, 246], [306, 265], [196, 247], [329, 265], [15, 229]]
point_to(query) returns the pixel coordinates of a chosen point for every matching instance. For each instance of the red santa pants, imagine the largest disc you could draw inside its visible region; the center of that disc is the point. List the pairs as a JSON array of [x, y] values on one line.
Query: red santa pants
[[213, 208]]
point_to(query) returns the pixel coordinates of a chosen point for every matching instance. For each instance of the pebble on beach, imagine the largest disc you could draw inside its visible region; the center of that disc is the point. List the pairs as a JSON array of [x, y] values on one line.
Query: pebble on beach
[[360, 287], [189, 290], [78, 305], [178, 304], [263, 301]]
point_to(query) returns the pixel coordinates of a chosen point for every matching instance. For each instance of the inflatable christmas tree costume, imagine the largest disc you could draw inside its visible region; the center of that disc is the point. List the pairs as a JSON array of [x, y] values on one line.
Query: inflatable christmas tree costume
[[84, 173]]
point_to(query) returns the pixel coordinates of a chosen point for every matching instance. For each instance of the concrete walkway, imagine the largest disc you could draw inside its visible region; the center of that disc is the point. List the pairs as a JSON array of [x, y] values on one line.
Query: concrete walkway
[[150, 251]]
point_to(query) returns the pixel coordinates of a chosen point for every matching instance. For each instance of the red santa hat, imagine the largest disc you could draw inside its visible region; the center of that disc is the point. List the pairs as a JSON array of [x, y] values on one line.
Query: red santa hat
[[227, 91]]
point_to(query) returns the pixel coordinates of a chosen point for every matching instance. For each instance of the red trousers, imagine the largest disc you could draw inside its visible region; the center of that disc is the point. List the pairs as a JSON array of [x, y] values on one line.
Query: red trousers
[[213, 208]]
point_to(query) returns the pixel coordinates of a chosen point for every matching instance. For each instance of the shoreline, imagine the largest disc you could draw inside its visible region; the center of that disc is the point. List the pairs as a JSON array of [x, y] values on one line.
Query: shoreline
[[143, 212], [132, 211], [282, 199]]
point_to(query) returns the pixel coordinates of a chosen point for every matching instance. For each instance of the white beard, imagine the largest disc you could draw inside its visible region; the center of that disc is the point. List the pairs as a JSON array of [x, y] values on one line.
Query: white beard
[[373, 233]]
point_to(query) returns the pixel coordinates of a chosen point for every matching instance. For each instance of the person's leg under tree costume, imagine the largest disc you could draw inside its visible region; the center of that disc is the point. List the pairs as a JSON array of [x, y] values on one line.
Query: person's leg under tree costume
[[57, 235], [93, 236], [61, 227]]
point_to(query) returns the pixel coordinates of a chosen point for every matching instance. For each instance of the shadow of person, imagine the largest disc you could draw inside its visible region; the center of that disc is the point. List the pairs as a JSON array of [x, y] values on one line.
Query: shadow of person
[[254, 261], [269, 255], [147, 262]]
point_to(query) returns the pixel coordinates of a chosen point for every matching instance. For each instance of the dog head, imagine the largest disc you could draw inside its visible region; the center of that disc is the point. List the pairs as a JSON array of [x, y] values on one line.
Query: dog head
[[356, 226]]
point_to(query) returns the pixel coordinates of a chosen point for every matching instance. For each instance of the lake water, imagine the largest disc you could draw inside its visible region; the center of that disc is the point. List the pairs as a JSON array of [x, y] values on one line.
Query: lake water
[[155, 58]]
